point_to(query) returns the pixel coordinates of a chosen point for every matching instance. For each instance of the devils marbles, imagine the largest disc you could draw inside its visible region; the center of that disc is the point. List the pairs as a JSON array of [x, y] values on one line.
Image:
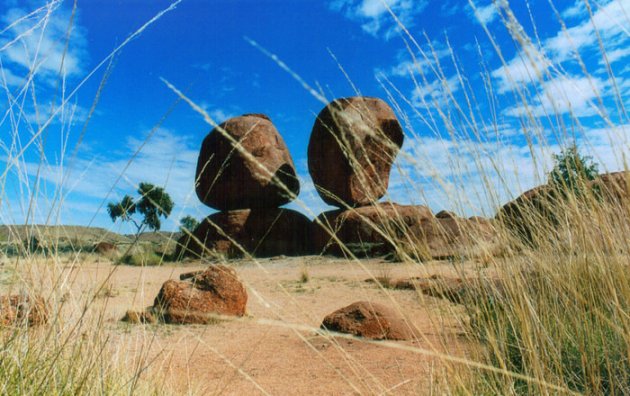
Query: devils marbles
[[259, 232], [351, 150], [244, 163]]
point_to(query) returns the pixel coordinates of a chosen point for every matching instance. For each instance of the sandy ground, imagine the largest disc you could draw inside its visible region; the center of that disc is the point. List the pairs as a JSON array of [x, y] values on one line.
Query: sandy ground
[[275, 349]]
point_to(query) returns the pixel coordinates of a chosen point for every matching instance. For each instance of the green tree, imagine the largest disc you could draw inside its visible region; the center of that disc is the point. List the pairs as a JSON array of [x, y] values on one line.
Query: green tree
[[188, 224], [572, 171], [153, 203]]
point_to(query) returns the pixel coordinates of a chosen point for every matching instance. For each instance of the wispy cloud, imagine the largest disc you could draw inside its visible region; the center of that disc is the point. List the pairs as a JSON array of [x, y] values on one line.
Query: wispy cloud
[[36, 43], [574, 95], [165, 159], [476, 177], [422, 63], [438, 93], [549, 73], [374, 15], [484, 14]]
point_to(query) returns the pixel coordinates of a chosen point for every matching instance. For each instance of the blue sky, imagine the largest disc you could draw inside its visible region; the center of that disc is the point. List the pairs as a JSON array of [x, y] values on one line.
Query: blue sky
[[480, 124]]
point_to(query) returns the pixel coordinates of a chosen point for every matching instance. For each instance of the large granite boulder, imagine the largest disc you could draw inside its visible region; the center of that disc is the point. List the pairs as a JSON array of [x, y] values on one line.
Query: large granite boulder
[[200, 296], [351, 150], [260, 232], [260, 174], [385, 228], [369, 320]]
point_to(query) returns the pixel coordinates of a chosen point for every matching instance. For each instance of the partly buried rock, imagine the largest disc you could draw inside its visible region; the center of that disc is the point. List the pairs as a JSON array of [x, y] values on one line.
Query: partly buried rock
[[17, 309], [388, 227], [229, 179], [456, 290], [369, 320], [215, 291], [435, 286], [137, 317], [351, 150], [104, 248], [260, 232]]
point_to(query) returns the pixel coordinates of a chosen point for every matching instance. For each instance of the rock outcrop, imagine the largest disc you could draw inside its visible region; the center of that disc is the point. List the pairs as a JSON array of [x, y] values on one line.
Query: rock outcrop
[[259, 232], [351, 150], [370, 320], [388, 227], [536, 214], [215, 291], [244, 163]]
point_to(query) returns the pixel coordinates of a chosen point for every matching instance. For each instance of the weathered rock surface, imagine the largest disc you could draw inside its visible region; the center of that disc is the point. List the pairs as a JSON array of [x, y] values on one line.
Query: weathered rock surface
[[260, 232], [17, 309], [388, 227], [369, 320], [351, 150], [217, 290], [614, 187], [536, 212], [229, 179]]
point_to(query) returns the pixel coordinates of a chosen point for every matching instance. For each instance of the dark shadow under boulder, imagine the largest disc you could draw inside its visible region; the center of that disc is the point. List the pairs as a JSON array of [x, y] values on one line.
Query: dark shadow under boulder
[[260, 232]]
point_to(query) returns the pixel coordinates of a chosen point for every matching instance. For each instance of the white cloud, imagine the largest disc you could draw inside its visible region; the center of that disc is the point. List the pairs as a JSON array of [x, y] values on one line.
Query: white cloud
[[165, 159], [553, 80], [528, 66], [218, 114], [408, 67], [473, 177], [574, 95], [577, 10], [485, 14], [437, 93], [37, 44], [374, 15], [612, 23], [616, 55]]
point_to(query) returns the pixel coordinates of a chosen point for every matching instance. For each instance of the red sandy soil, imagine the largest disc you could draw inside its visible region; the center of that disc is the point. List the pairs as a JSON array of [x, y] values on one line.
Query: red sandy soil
[[275, 348]]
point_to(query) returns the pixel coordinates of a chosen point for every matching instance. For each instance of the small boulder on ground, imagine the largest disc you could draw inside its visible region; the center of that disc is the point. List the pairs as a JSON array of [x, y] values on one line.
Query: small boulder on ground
[[250, 177], [260, 232], [369, 320], [215, 291], [137, 317], [17, 309], [351, 150], [104, 248], [434, 286]]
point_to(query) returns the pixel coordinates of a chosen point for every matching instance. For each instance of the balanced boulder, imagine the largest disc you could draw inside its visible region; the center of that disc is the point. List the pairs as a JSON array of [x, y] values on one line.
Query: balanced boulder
[[202, 296], [369, 320], [259, 232], [244, 163], [351, 150]]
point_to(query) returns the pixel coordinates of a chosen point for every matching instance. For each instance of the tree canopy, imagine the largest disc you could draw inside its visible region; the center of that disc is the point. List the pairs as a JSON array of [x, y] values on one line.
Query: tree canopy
[[572, 171], [154, 202]]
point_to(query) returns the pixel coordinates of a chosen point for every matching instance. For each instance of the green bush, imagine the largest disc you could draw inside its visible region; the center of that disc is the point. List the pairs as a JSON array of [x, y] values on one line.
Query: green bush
[[143, 259]]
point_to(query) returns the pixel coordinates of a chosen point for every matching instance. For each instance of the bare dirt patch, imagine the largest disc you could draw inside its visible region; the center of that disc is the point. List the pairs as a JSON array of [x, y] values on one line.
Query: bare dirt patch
[[275, 348]]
